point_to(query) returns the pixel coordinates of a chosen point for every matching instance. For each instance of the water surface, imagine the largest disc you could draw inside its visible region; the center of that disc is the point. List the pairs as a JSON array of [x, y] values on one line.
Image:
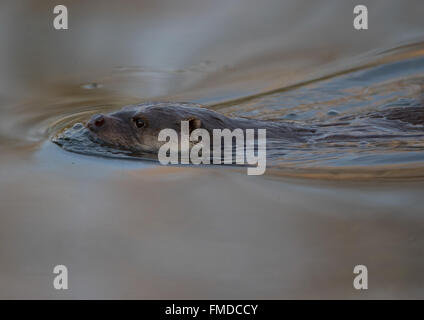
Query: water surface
[[134, 229]]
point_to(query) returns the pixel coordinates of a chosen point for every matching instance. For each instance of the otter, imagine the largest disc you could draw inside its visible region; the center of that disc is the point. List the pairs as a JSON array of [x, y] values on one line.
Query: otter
[[137, 127]]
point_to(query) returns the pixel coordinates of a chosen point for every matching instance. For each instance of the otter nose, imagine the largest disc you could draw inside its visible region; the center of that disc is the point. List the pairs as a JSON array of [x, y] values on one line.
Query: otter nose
[[96, 121], [99, 120]]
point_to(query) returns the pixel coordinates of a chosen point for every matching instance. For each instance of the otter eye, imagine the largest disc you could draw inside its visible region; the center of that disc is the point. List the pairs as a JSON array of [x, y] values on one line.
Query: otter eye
[[139, 122]]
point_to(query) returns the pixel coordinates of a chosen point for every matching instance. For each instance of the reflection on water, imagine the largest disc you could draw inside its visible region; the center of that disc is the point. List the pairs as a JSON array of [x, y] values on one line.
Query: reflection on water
[[134, 229]]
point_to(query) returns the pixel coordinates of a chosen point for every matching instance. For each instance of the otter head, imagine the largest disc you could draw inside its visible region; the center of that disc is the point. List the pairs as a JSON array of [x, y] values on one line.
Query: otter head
[[137, 128]]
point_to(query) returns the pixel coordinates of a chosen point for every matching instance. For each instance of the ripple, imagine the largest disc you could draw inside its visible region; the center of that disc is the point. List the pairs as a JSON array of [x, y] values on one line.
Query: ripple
[[78, 139], [347, 111]]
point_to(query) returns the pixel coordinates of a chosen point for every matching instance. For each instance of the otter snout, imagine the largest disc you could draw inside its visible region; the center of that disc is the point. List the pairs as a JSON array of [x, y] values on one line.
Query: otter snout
[[97, 121]]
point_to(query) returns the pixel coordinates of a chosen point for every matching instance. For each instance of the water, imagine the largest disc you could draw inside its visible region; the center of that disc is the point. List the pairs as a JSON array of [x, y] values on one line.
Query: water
[[129, 228], [347, 111]]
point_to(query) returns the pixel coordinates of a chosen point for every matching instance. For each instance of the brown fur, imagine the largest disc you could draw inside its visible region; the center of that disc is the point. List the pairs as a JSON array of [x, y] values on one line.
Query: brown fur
[[120, 130]]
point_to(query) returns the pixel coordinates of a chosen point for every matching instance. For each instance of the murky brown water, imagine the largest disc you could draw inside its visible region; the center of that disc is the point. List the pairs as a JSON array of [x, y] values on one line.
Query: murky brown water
[[133, 229]]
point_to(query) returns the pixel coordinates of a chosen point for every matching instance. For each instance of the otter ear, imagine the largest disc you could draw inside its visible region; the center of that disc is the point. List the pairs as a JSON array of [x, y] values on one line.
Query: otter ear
[[193, 123]]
